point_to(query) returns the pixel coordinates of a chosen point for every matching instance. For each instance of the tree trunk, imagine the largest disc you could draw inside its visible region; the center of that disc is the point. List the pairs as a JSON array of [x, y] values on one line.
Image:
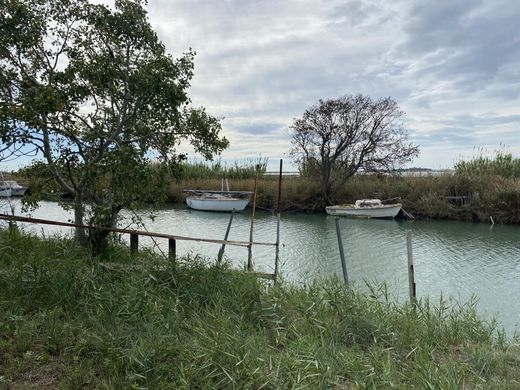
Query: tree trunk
[[79, 214], [325, 193], [98, 238]]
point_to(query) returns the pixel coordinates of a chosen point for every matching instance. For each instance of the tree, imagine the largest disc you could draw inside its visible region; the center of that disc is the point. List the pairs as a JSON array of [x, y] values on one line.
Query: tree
[[338, 137], [92, 89]]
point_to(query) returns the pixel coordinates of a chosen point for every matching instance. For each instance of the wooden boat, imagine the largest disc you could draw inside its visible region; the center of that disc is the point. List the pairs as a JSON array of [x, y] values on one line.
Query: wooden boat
[[366, 208], [217, 200]]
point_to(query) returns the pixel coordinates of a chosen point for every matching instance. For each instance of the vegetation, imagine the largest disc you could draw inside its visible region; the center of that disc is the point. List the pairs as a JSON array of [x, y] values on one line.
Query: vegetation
[[458, 195], [428, 196], [196, 170], [68, 320], [91, 89], [337, 138], [502, 164]]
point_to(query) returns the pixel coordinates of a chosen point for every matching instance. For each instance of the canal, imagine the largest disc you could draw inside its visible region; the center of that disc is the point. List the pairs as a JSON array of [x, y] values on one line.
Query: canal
[[452, 259]]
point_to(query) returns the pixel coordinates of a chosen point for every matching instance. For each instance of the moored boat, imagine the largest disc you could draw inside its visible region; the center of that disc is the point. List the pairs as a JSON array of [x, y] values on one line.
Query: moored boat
[[5, 191], [217, 200], [16, 189], [366, 208]]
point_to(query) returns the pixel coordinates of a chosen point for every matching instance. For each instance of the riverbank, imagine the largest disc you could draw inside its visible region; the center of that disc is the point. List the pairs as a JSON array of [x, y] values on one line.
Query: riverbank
[[72, 321], [444, 196]]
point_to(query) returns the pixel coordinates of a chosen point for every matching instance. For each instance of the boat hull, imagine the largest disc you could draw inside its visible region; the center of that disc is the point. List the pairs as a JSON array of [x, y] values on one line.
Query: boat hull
[[217, 204], [18, 191], [384, 211], [5, 192]]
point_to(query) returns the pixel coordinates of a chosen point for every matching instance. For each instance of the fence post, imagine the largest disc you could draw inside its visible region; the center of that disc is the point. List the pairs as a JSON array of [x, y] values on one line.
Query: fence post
[[411, 276], [134, 244], [172, 247], [341, 252]]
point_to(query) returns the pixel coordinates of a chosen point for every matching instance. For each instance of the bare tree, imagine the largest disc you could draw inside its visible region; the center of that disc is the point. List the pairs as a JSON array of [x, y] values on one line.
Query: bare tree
[[338, 137]]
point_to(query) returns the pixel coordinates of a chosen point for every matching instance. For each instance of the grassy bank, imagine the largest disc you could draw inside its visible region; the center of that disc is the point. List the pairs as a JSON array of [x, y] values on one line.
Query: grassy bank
[[423, 196], [65, 320]]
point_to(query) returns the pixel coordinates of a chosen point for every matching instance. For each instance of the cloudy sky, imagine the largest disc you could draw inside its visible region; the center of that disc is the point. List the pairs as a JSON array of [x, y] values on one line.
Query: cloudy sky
[[453, 66]]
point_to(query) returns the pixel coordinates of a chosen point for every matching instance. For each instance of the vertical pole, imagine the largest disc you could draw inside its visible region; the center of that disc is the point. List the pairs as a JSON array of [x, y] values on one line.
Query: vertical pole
[[278, 206], [250, 248], [411, 276], [277, 248], [134, 244], [341, 252], [221, 251], [172, 250]]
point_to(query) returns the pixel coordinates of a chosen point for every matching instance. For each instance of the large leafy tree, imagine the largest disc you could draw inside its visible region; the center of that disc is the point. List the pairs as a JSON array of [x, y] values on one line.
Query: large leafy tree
[[92, 89], [336, 138]]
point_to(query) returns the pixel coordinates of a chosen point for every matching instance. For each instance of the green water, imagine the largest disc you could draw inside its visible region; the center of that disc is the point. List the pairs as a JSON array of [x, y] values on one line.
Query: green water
[[455, 259]]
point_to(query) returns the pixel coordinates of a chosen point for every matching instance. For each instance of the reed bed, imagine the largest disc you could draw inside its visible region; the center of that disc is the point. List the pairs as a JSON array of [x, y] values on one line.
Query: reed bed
[[489, 185], [66, 321], [240, 169], [502, 164], [423, 196]]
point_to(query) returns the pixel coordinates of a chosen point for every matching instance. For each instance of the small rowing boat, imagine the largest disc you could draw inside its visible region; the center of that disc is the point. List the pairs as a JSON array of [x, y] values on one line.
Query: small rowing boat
[[366, 208]]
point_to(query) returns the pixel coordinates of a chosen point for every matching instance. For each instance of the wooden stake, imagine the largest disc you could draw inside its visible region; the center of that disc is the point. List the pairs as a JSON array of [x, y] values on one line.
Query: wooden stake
[[277, 248], [250, 247], [134, 244], [172, 249], [221, 251], [411, 276], [341, 252], [279, 188]]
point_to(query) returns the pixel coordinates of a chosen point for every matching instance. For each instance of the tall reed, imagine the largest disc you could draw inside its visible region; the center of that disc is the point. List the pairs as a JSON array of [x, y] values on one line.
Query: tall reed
[[239, 169], [502, 164]]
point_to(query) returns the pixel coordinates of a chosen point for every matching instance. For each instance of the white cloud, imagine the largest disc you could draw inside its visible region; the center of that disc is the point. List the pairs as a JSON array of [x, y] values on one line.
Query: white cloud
[[453, 66]]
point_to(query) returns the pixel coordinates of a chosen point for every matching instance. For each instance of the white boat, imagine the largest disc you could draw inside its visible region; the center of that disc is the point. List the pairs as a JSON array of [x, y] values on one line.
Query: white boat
[[5, 191], [217, 200], [16, 189], [366, 208]]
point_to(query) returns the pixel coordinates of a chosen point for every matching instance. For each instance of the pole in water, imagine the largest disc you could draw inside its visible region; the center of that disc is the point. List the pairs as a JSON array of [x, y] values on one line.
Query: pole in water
[[341, 252], [221, 251], [411, 276], [277, 249], [250, 248]]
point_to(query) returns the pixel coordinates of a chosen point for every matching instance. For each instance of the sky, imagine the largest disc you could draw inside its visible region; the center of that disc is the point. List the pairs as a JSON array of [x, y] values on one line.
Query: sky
[[453, 66]]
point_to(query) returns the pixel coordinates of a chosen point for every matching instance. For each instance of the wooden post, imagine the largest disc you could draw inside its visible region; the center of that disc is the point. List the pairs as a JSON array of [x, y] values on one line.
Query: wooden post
[[277, 250], [250, 248], [411, 276], [341, 252], [134, 244], [221, 251], [278, 207], [172, 248]]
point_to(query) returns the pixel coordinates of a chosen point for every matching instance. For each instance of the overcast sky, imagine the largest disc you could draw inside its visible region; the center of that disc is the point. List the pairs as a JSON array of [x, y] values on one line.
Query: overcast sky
[[453, 66]]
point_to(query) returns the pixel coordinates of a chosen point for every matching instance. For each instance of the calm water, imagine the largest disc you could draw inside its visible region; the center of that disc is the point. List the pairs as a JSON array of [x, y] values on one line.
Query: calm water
[[456, 259]]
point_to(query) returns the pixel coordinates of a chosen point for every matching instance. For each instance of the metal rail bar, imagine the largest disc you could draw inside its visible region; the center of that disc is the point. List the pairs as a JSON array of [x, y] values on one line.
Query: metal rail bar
[[17, 218]]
